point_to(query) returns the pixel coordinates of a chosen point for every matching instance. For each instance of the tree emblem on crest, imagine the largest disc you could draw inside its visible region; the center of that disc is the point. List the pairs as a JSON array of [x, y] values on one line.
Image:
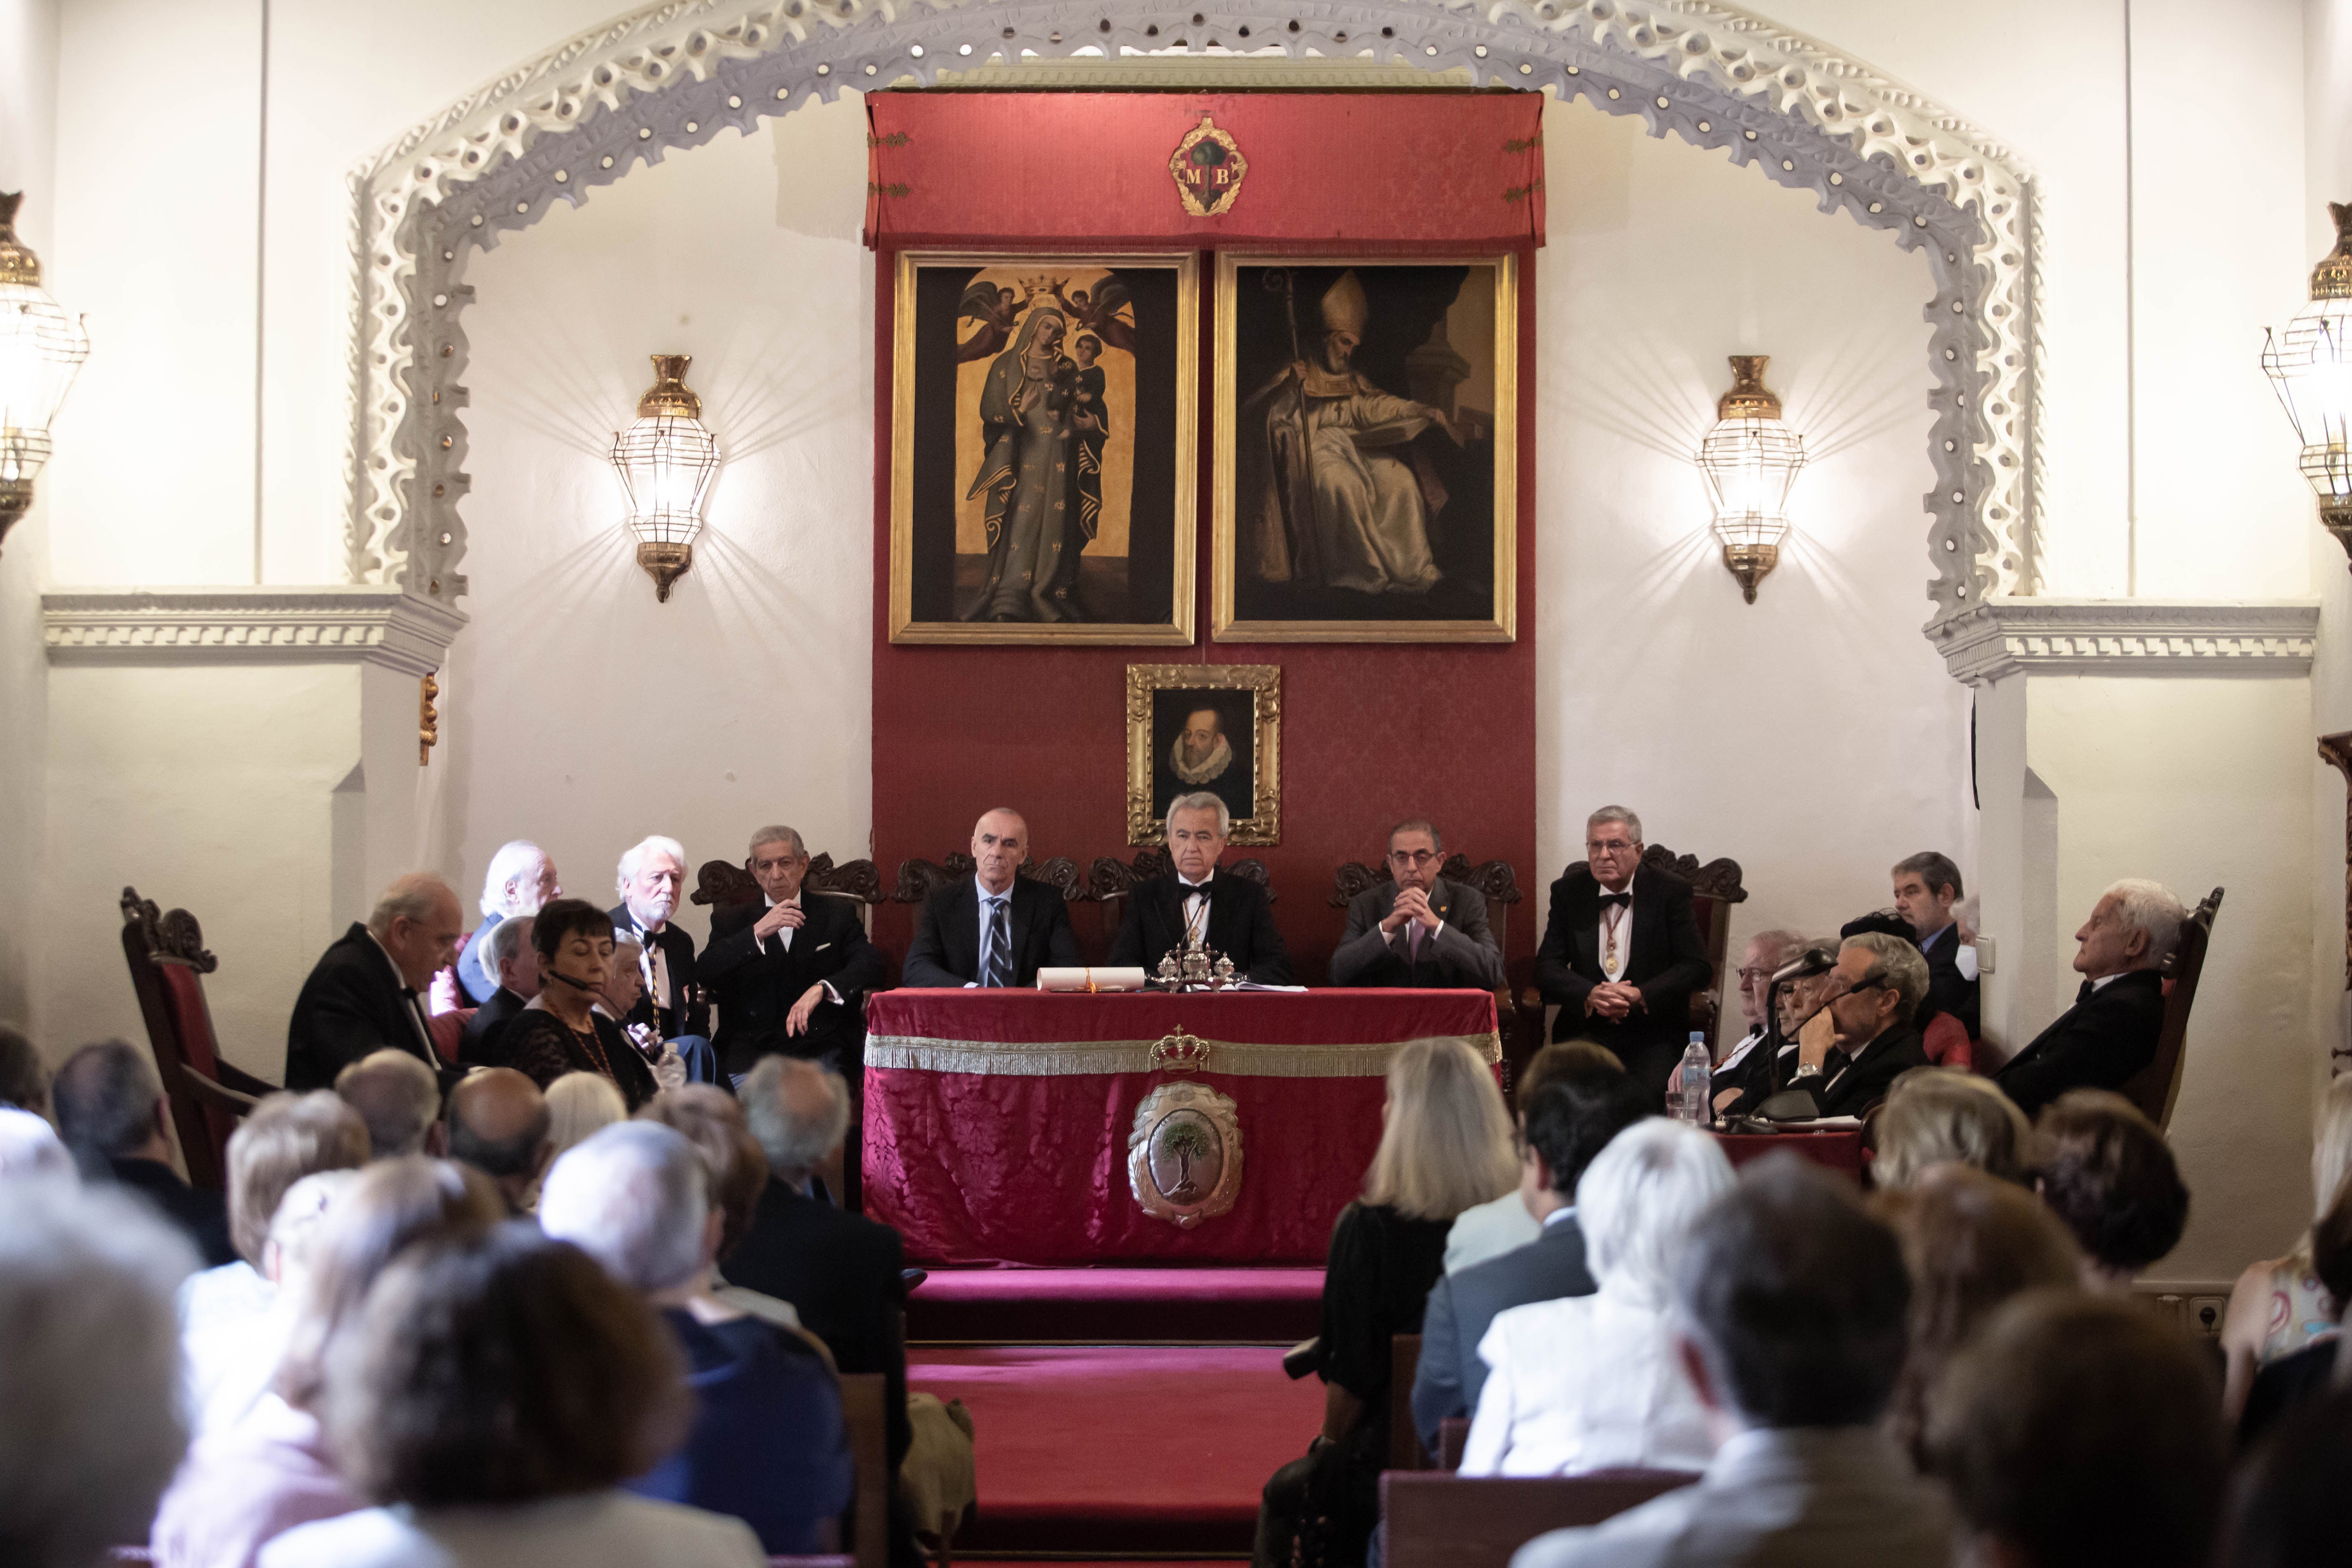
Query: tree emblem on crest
[[1208, 167]]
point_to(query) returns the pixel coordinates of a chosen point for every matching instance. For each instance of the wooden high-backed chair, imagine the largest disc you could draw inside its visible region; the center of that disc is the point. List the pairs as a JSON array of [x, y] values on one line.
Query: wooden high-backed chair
[[720, 884], [1500, 886], [1714, 888], [1109, 880], [208, 1096], [2156, 1088]]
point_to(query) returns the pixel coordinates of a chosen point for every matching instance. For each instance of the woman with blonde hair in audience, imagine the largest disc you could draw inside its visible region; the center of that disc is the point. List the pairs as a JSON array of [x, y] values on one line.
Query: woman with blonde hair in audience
[[579, 1105], [1446, 1146], [246, 1484], [1936, 1116], [1592, 1382], [2279, 1306], [490, 1398], [1970, 1243]]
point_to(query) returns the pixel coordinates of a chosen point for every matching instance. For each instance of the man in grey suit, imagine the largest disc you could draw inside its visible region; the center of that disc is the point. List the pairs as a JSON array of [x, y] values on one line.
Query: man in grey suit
[[1419, 929], [1587, 1102], [1792, 1301]]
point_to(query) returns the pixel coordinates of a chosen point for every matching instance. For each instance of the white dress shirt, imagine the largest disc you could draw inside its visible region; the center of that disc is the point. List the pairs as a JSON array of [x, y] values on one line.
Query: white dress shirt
[[988, 901], [1489, 1230], [1194, 900], [602, 1530], [410, 1004], [1586, 1382], [784, 933], [1625, 933]]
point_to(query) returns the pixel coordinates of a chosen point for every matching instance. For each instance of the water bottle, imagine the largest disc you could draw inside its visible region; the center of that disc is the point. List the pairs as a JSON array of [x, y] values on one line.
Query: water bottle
[[1698, 1070]]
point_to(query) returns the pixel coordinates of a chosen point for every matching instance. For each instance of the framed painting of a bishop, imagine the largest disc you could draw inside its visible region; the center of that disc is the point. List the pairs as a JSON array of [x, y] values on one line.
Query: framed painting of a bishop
[[1366, 450], [1042, 448]]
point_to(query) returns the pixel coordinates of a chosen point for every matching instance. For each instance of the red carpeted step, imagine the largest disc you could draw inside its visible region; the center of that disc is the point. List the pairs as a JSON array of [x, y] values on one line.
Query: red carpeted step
[[1000, 1306], [1122, 1448]]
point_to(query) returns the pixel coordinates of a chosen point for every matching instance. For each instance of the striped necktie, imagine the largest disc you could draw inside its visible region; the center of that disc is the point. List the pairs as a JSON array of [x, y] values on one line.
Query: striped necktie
[[1000, 945]]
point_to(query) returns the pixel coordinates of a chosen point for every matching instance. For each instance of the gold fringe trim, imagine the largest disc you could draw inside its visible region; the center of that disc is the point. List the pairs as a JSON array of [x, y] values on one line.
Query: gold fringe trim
[[1059, 1059]]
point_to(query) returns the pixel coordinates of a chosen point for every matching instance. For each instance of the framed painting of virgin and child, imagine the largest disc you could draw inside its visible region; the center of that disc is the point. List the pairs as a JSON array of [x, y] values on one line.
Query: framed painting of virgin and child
[[1042, 448]]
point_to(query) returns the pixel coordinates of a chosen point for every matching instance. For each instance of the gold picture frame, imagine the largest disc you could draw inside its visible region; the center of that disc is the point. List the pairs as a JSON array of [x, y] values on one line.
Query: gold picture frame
[[1242, 766], [1274, 575], [944, 351]]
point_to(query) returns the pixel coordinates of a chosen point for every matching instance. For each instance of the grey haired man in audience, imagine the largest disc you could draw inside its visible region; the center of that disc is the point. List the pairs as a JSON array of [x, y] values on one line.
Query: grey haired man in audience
[[520, 881], [399, 1098], [516, 962], [111, 1112]]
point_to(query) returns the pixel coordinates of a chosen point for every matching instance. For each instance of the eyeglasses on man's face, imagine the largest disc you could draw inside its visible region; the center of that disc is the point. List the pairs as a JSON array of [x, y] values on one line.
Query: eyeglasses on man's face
[[1412, 857]]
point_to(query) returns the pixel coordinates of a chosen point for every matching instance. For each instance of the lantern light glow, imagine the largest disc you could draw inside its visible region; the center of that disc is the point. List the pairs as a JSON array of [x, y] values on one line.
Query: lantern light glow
[[665, 460], [1750, 459]]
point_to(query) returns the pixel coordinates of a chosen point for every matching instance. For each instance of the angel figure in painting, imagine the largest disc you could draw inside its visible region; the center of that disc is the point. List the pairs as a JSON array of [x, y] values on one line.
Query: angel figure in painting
[[1338, 498], [1040, 493], [996, 310], [1100, 313]]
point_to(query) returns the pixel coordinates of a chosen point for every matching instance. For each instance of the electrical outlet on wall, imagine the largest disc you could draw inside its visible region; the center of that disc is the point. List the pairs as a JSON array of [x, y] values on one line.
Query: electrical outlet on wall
[[2205, 1314], [1984, 955]]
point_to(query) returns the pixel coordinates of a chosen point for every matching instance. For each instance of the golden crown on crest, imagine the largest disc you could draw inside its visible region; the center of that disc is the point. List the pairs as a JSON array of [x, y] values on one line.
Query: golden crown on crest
[[1179, 1049]]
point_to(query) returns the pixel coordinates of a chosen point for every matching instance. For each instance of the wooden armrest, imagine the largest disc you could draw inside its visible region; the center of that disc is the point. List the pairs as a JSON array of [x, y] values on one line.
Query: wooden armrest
[[242, 1081], [236, 1103]]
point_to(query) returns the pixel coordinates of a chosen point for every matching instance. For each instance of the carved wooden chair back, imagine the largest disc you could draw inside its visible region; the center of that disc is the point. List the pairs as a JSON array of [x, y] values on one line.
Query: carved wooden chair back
[[1500, 886], [1714, 888], [718, 884], [165, 952], [2156, 1088], [1435, 1520]]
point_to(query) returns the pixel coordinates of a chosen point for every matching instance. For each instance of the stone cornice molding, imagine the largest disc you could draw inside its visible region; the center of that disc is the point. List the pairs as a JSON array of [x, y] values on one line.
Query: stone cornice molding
[[586, 111], [2272, 637], [212, 626]]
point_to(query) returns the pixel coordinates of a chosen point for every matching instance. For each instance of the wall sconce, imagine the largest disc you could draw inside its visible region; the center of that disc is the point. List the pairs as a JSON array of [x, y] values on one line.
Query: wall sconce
[[665, 460], [1751, 459], [40, 350], [2310, 365]]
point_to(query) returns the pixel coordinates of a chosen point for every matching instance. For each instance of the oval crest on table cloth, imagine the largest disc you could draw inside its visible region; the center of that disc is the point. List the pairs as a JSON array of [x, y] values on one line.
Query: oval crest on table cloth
[[1184, 1153]]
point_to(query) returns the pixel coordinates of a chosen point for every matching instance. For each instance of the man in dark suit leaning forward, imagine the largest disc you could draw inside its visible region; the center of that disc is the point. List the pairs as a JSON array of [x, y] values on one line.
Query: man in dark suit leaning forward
[[1570, 1118], [365, 994], [1621, 953], [1418, 929], [2110, 1032], [1230, 913], [1027, 926]]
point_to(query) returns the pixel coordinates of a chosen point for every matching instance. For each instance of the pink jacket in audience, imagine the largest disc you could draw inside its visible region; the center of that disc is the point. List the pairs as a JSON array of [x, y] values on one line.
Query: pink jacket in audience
[[245, 1484]]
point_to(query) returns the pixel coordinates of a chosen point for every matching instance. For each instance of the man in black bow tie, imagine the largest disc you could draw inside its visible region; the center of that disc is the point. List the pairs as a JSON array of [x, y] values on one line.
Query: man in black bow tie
[[365, 994], [2110, 1032], [1230, 913], [1621, 953]]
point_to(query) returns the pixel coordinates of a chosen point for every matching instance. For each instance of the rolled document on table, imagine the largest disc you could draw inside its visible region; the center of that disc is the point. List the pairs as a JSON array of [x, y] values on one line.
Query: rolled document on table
[[1090, 979]]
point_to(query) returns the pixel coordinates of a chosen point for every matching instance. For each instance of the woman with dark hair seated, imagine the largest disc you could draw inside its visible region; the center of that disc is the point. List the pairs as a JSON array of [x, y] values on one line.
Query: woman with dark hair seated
[[560, 1031], [2105, 1171], [490, 1399]]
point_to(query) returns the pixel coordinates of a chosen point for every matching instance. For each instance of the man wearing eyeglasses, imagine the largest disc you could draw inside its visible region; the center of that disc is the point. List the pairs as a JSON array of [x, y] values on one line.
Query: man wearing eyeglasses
[[1851, 1051], [1418, 929], [1621, 953]]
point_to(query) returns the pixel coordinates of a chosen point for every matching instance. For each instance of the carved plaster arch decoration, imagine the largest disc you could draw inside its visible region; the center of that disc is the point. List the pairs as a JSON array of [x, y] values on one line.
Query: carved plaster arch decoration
[[676, 74]]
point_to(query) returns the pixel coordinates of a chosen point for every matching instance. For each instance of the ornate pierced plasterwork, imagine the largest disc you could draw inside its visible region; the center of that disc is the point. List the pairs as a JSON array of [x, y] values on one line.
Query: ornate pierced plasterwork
[[365, 625], [2127, 637], [676, 74]]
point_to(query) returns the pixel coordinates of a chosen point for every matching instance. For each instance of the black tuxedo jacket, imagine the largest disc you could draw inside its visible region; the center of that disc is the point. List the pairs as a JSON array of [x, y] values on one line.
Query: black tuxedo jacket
[[2098, 1043], [756, 987], [1862, 1081], [1461, 1306], [843, 1274], [1240, 926], [1949, 991], [352, 1004], [685, 1014], [946, 950], [478, 1046], [1668, 961]]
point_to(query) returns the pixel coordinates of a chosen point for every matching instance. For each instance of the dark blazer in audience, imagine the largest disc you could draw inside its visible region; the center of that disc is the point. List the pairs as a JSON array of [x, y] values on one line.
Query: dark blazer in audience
[[2105, 1037], [1463, 1304], [768, 1445], [1949, 991], [756, 984], [946, 949], [353, 1004], [844, 1275], [1462, 954], [685, 1014], [1240, 926], [478, 1046], [1666, 959], [202, 1214], [478, 972], [1862, 1081]]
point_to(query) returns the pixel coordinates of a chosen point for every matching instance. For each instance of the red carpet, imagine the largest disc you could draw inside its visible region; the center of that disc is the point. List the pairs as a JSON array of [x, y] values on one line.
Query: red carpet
[[1113, 1449], [1116, 1306]]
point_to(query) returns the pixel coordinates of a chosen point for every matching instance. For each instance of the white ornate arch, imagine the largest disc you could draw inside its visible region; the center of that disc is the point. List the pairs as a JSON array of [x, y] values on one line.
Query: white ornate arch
[[674, 75]]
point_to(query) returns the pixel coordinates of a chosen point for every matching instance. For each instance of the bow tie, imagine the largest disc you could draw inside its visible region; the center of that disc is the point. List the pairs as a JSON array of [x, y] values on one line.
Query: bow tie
[[1192, 889], [1623, 901]]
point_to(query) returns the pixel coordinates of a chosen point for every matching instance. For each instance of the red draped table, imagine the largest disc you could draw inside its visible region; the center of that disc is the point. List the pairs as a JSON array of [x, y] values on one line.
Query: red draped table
[[997, 1123]]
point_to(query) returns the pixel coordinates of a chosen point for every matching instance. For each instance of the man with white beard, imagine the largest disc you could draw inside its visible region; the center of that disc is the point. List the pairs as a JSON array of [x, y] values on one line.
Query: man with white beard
[[651, 881]]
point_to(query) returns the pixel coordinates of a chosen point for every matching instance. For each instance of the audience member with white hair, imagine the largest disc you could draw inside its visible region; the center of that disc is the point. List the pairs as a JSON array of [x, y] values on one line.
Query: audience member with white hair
[[1936, 1116], [1619, 1397], [509, 955], [579, 1106], [30, 1147], [366, 993], [246, 1483], [2280, 1304], [112, 1116], [90, 1429], [520, 881], [769, 1445], [2110, 1032], [234, 1319], [652, 883], [399, 1099]]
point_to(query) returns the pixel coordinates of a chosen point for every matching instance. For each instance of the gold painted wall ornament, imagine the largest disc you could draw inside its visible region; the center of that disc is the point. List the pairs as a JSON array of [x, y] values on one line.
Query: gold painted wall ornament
[[1185, 1154], [428, 720], [1207, 167]]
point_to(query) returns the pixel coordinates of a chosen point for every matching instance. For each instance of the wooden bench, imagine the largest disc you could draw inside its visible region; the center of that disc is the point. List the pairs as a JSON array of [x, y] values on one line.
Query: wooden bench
[[1438, 1520]]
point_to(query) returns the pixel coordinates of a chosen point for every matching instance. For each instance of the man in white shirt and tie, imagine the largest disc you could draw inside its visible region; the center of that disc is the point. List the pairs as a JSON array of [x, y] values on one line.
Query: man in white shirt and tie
[[998, 928]]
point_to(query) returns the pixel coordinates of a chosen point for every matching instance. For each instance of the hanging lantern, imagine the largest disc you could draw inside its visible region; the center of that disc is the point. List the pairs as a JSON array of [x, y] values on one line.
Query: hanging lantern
[[2310, 364], [1751, 459], [40, 350], [665, 460]]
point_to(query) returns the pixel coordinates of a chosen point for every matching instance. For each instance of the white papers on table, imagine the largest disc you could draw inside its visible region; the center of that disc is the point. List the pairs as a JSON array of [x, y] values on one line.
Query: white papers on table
[[1090, 979]]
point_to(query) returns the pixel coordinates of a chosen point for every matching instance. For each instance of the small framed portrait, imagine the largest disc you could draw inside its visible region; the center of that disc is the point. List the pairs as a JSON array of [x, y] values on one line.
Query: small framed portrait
[[1214, 727], [1367, 446], [1042, 448]]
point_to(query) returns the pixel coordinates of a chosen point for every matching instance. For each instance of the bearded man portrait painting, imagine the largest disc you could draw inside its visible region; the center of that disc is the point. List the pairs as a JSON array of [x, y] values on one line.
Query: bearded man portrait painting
[[1043, 449]]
